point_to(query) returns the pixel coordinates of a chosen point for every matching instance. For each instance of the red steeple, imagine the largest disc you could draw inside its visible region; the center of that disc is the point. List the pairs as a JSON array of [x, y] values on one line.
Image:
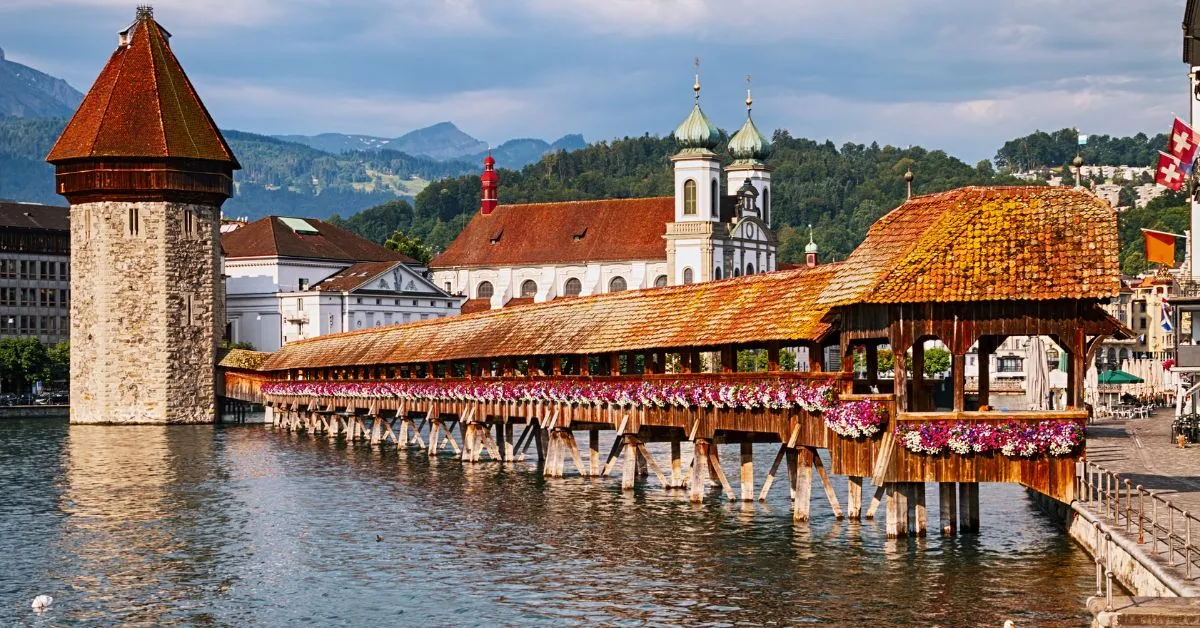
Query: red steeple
[[143, 114], [489, 182]]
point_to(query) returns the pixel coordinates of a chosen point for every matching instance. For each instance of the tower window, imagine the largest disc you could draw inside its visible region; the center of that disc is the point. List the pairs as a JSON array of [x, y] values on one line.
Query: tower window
[[617, 284], [688, 276], [573, 287], [717, 272], [189, 223], [767, 206], [484, 290], [660, 281], [716, 210], [528, 288], [689, 198], [134, 219], [749, 269]]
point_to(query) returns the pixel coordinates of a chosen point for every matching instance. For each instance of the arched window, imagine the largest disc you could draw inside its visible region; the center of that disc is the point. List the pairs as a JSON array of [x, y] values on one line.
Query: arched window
[[573, 287], [688, 276], [749, 269], [617, 284], [660, 281], [767, 206], [737, 272], [528, 288], [716, 210], [689, 198], [484, 290], [717, 272]]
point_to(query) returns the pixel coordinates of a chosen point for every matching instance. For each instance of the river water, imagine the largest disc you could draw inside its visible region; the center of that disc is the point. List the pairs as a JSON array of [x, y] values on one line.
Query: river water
[[235, 526]]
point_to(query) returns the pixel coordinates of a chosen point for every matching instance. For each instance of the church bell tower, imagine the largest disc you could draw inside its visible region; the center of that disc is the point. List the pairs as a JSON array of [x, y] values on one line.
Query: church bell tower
[[145, 170]]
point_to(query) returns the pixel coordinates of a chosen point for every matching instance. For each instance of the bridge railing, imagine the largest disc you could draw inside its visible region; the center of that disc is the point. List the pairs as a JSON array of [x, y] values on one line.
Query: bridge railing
[[1147, 518]]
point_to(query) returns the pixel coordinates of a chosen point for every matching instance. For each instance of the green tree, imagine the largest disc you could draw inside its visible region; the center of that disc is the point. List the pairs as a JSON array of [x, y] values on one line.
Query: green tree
[[59, 361], [23, 361], [937, 361], [409, 245]]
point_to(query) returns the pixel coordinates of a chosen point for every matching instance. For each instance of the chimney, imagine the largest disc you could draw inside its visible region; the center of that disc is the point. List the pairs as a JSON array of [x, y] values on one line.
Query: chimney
[[489, 181]]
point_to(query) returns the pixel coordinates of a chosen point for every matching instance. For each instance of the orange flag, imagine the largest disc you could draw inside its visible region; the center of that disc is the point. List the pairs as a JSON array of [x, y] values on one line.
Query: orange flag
[[1160, 247]]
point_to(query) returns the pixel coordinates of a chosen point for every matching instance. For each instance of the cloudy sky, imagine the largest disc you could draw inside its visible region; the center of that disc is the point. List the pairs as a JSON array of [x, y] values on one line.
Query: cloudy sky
[[952, 74]]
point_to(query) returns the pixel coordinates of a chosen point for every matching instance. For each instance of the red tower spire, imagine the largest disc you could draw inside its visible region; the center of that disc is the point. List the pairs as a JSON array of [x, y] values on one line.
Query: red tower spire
[[489, 181]]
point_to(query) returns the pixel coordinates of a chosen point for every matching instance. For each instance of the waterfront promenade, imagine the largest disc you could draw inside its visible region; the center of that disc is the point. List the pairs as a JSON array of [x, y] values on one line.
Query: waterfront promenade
[[1141, 451]]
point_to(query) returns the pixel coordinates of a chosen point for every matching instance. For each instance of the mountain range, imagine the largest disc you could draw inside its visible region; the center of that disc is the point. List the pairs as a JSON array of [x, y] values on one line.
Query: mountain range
[[442, 141], [315, 176], [26, 92]]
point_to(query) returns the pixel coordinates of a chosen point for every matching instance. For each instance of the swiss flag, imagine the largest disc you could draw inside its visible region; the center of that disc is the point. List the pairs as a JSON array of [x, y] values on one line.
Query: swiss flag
[[1184, 142], [1171, 172]]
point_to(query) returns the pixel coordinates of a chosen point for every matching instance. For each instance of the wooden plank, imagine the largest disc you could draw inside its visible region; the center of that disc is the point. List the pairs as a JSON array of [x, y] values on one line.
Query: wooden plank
[[747, 471], [676, 463], [714, 467], [699, 470], [641, 447], [594, 451], [875, 501], [762, 496], [948, 508], [854, 497], [804, 469], [573, 448], [829, 492]]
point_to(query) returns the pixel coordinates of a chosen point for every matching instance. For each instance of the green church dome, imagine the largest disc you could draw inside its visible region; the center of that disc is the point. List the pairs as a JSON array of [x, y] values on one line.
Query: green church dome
[[748, 145], [697, 133]]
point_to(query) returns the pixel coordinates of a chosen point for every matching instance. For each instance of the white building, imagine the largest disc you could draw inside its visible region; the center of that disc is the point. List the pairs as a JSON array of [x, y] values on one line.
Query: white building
[[290, 278], [709, 229]]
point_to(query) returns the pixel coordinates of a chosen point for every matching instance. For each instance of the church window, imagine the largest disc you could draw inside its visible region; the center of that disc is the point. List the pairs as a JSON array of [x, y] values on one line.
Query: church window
[[528, 288], [716, 211], [689, 198], [573, 287], [660, 281], [767, 205], [717, 272], [749, 269], [737, 272], [485, 290], [688, 276], [617, 284]]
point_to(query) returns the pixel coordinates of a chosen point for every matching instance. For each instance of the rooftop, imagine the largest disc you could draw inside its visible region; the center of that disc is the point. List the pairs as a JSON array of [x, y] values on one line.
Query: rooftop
[[306, 238], [142, 105], [563, 233], [34, 216]]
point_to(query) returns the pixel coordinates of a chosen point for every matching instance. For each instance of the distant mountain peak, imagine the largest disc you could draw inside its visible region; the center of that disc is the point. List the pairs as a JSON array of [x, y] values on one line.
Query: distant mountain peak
[[28, 93]]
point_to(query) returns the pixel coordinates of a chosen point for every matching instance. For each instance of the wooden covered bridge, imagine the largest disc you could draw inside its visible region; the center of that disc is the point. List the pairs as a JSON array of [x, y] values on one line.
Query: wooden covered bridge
[[968, 267]]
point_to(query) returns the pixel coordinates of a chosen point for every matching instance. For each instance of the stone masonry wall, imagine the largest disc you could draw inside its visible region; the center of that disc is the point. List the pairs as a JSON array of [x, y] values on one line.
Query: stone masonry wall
[[143, 321]]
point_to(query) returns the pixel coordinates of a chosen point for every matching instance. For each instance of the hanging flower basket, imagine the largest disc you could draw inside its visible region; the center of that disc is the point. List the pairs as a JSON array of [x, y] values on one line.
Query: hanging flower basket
[[1012, 439]]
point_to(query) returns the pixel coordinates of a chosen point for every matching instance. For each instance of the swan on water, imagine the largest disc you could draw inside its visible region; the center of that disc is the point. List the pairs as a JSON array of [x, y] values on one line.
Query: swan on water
[[42, 602]]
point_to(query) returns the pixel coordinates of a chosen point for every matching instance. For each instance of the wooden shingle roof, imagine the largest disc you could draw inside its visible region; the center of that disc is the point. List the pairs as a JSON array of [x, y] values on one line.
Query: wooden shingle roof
[[142, 106], [985, 243], [757, 308]]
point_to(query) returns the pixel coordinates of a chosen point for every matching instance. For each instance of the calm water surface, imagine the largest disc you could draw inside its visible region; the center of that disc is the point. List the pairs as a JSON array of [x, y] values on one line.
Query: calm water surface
[[247, 526]]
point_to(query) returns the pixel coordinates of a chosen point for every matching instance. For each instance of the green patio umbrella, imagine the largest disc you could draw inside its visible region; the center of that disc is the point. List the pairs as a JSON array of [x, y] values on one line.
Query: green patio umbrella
[[1118, 377]]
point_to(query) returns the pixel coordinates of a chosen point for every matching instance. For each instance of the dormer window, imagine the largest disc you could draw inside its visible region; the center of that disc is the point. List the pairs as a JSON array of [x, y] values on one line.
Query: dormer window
[[496, 236], [579, 234]]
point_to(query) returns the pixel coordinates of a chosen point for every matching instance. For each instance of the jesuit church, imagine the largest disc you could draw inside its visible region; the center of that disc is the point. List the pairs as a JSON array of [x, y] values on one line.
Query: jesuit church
[[717, 225]]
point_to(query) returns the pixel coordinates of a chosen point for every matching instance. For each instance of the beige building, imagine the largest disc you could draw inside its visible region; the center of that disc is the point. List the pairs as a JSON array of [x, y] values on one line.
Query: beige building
[[35, 272]]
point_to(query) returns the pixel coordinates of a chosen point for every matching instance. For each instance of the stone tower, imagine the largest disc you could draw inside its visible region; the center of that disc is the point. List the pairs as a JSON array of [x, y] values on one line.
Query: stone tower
[[145, 170]]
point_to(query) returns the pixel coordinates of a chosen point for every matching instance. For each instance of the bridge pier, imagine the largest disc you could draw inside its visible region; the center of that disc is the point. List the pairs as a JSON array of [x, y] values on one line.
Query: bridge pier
[[803, 484], [854, 497], [700, 465], [948, 508], [747, 470], [968, 504]]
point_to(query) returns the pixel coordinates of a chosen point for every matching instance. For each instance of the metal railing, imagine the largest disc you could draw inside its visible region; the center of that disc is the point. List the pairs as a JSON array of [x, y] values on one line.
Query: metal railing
[[1144, 516]]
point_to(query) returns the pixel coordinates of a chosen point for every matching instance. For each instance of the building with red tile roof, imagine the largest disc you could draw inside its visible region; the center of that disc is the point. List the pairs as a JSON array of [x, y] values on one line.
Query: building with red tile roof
[[295, 278], [541, 251]]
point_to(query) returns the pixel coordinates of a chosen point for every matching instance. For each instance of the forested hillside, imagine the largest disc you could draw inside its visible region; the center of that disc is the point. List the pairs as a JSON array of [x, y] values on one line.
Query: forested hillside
[[1051, 150], [840, 191], [277, 177]]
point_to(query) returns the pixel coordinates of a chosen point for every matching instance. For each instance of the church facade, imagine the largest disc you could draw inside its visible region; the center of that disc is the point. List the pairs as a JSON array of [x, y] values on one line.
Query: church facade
[[716, 225]]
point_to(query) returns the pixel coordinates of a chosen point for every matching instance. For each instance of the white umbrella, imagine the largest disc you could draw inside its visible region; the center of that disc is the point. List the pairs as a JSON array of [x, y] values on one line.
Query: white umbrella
[[1091, 386], [1037, 374]]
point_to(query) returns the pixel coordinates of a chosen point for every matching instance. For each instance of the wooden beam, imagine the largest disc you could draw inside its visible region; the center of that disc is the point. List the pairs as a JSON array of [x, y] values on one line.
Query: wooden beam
[[699, 469], [594, 450], [747, 471], [876, 500], [676, 462], [830, 494], [714, 464], [948, 508], [762, 496], [773, 356], [645, 454], [958, 370], [804, 469], [854, 497]]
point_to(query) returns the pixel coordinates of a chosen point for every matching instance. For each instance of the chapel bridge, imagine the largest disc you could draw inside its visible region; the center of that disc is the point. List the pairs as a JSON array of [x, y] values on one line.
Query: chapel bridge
[[968, 267]]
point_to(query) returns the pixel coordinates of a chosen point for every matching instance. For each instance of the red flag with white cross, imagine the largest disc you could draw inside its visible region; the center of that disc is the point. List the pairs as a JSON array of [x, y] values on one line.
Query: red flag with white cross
[[1171, 172], [1184, 142]]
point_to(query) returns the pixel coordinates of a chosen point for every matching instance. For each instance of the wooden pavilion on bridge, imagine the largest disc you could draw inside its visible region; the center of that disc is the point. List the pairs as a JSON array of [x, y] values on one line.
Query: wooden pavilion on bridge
[[968, 267]]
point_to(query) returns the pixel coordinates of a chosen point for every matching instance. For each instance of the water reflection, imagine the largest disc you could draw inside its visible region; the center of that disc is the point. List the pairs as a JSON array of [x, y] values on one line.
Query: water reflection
[[202, 525]]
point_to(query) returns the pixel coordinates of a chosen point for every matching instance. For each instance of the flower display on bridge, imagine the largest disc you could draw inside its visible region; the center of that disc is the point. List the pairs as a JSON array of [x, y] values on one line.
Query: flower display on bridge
[[856, 419], [1013, 439], [769, 394]]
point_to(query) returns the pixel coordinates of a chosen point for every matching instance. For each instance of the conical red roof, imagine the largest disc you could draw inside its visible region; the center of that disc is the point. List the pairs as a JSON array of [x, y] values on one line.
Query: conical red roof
[[142, 106]]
